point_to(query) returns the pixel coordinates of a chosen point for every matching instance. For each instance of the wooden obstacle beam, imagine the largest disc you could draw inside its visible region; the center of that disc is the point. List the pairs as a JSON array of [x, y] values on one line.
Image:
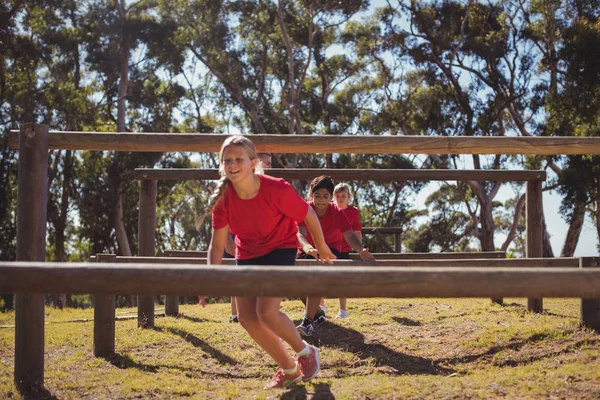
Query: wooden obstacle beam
[[195, 174], [378, 256], [190, 279], [292, 281], [323, 144], [565, 262]]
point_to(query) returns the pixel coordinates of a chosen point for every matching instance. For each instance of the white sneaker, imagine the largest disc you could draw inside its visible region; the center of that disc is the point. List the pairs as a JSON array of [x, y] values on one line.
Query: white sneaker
[[342, 314]]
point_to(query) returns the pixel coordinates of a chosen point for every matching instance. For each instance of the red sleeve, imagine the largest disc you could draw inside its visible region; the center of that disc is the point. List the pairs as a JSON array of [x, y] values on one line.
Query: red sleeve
[[219, 215], [356, 220], [291, 204], [342, 222]]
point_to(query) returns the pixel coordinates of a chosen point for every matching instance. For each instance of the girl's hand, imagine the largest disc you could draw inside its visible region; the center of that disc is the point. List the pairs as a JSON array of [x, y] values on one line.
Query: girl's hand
[[203, 300], [325, 255], [365, 254]]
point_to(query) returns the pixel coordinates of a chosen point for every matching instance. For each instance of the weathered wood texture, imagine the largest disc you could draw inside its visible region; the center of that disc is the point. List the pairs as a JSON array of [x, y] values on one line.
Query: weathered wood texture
[[535, 233], [31, 246], [104, 317], [223, 280], [354, 144], [387, 175], [146, 238], [590, 307], [439, 263], [378, 256]]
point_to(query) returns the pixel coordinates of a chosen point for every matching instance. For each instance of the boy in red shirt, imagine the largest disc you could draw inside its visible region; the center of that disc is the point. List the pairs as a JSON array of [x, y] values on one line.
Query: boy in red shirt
[[337, 231]]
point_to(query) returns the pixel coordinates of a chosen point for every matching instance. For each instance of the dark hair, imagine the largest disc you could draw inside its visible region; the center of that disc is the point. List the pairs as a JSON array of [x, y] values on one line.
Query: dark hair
[[321, 182]]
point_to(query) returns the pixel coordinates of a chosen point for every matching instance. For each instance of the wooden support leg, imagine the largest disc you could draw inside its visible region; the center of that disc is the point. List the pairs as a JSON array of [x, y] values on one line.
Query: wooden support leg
[[104, 317], [146, 228], [31, 246], [590, 308]]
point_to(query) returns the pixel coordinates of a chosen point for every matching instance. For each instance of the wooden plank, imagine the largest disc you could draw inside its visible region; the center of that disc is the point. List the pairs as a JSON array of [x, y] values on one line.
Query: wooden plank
[[223, 280], [534, 229], [104, 317], [590, 307], [569, 262], [378, 256], [387, 175], [31, 246], [146, 238], [323, 144]]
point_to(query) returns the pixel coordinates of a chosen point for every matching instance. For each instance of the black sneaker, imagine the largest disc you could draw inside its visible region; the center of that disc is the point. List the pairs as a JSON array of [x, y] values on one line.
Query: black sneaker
[[306, 328], [233, 319], [319, 319]]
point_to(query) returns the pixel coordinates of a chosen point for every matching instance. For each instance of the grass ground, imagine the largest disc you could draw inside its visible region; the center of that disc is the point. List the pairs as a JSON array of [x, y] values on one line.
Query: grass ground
[[386, 348]]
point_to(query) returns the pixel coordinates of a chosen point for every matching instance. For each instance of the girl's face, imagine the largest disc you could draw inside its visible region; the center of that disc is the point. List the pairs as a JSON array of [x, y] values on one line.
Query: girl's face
[[321, 199], [341, 198], [237, 164]]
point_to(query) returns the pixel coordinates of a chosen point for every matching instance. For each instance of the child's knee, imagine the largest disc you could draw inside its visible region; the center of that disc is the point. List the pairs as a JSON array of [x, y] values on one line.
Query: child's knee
[[268, 316]]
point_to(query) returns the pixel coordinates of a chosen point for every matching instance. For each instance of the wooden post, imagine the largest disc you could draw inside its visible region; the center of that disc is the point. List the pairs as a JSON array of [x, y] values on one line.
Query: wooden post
[[104, 317], [590, 308], [31, 246], [146, 228], [534, 232], [398, 242]]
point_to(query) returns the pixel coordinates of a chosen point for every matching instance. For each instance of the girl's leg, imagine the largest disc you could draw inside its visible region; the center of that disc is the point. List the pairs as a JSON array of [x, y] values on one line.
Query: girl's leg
[[233, 306], [262, 335], [280, 324], [343, 303]]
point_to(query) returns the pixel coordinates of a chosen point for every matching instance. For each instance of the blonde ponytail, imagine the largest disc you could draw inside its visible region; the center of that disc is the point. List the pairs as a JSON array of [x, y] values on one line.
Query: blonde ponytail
[[219, 192]]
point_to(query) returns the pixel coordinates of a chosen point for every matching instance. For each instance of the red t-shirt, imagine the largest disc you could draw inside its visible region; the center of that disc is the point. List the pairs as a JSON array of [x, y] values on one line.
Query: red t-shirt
[[353, 215], [334, 223], [263, 223]]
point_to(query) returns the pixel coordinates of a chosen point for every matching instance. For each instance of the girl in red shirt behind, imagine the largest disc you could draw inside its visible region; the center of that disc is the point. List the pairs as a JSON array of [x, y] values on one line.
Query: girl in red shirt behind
[[262, 212], [341, 194]]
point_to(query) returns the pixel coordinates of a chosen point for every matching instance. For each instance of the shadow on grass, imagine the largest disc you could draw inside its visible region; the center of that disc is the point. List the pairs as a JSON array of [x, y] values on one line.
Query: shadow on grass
[[125, 362], [197, 342], [336, 336], [37, 393], [406, 321], [193, 319], [297, 392]]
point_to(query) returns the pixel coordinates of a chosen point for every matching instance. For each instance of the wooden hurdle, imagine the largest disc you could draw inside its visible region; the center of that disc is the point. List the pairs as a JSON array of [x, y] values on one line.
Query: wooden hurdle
[[533, 179], [378, 256], [34, 141]]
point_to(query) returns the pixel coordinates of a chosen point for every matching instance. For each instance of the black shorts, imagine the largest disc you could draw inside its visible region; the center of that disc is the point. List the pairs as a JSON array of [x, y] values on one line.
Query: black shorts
[[304, 256], [276, 257], [344, 255]]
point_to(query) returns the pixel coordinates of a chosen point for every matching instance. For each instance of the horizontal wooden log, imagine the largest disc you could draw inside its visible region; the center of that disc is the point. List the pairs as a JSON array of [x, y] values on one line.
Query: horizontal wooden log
[[323, 144], [382, 175], [385, 230], [378, 256], [476, 263], [189, 280]]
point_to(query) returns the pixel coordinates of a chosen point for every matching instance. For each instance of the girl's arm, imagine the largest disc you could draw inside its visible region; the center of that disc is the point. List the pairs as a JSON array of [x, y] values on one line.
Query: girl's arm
[[314, 226], [216, 248], [356, 245], [304, 244]]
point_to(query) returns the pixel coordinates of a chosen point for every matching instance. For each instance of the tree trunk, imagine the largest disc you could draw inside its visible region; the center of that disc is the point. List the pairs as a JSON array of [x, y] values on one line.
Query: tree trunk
[[487, 223], [597, 220], [118, 224], [574, 231], [547, 251]]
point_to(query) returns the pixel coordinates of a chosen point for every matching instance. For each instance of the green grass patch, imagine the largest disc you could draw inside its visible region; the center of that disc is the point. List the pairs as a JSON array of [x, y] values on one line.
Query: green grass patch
[[386, 348]]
